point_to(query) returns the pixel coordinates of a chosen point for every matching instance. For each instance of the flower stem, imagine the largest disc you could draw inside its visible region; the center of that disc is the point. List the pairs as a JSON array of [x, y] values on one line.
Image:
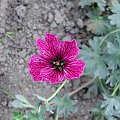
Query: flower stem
[[60, 87], [115, 90], [112, 32], [56, 116]]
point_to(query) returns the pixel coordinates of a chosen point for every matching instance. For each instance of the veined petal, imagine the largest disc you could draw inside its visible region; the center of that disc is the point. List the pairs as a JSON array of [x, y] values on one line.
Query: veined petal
[[52, 75], [35, 62], [35, 66], [74, 69], [53, 43], [44, 49], [69, 50]]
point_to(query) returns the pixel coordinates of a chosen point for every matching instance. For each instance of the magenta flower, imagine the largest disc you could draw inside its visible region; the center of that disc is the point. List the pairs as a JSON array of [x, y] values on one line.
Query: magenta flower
[[57, 60]]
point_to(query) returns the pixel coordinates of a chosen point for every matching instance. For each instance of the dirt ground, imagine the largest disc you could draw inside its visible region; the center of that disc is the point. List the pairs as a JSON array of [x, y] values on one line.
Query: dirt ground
[[29, 20]]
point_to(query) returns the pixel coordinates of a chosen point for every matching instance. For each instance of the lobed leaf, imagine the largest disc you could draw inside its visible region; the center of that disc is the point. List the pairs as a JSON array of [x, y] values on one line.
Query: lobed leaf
[[115, 17]]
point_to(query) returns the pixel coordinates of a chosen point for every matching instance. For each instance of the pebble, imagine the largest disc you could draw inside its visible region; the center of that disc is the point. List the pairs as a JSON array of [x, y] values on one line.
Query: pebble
[[26, 70], [36, 6], [50, 17], [53, 25], [4, 103], [22, 53], [80, 23], [74, 30], [21, 61], [21, 11], [87, 96], [69, 5], [2, 58], [58, 17]]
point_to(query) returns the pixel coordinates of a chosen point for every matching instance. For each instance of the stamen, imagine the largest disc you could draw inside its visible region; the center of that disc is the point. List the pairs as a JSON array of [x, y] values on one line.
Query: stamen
[[57, 63]]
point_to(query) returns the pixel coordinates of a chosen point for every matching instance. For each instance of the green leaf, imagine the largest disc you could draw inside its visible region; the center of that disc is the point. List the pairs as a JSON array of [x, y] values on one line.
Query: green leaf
[[115, 17], [114, 53], [2, 41], [33, 116], [97, 24], [94, 59], [17, 116], [64, 106], [111, 105], [114, 78], [21, 102], [100, 3], [97, 113], [10, 33], [94, 89], [40, 97]]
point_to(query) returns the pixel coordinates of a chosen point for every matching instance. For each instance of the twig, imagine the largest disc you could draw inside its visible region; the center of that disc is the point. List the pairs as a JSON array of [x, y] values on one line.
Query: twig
[[19, 47], [7, 93], [81, 87]]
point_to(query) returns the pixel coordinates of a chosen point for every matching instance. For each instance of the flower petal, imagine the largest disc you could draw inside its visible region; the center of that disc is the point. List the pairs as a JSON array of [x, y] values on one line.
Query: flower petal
[[69, 50], [52, 75], [74, 69], [44, 49], [35, 66], [54, 44]]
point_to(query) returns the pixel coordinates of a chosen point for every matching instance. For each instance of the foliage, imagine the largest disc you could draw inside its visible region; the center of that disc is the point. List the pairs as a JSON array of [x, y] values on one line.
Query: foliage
[[111, 105], [64, 106], [17, 116], [60, 105], [98, 24], [115, 17], [102, 57], [100, 3]]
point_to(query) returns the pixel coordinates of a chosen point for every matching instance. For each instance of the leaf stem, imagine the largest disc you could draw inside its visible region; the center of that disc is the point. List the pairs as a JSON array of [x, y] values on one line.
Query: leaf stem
[[81, 87], [59, 88], [106, 36], [56, 116], [115, 90], [7, 93]]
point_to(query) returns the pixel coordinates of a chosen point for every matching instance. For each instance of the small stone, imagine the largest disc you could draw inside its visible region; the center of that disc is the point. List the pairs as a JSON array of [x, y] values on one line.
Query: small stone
[[26, 70], [74, 31], [75, 97], [2, 30], [87, 96], [69, 5], [35, 36], [58, 17], [80, 23], [21, 11], [21, 61], [50, 17], [22, 41], [22, 53], [53, 25], [4, 103], [76, 83], [36, 6], [10, 104], [2, 58]]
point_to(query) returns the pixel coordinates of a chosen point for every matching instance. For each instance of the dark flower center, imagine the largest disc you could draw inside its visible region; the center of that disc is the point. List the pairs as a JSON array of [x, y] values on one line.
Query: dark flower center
[[58, 64]]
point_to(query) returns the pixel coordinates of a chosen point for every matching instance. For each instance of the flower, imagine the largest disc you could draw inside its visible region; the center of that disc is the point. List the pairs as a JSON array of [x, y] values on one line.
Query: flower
[[57, 60]]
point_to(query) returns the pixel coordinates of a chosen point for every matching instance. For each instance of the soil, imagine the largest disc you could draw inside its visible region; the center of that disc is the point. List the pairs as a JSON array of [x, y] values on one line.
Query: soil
[[29, 20]]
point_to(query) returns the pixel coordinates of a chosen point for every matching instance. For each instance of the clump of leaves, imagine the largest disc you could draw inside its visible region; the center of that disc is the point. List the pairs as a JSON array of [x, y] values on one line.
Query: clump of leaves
[[100, 3], [115, 17], [98, 24], [102, 57], [64, 106], [60, 106]]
